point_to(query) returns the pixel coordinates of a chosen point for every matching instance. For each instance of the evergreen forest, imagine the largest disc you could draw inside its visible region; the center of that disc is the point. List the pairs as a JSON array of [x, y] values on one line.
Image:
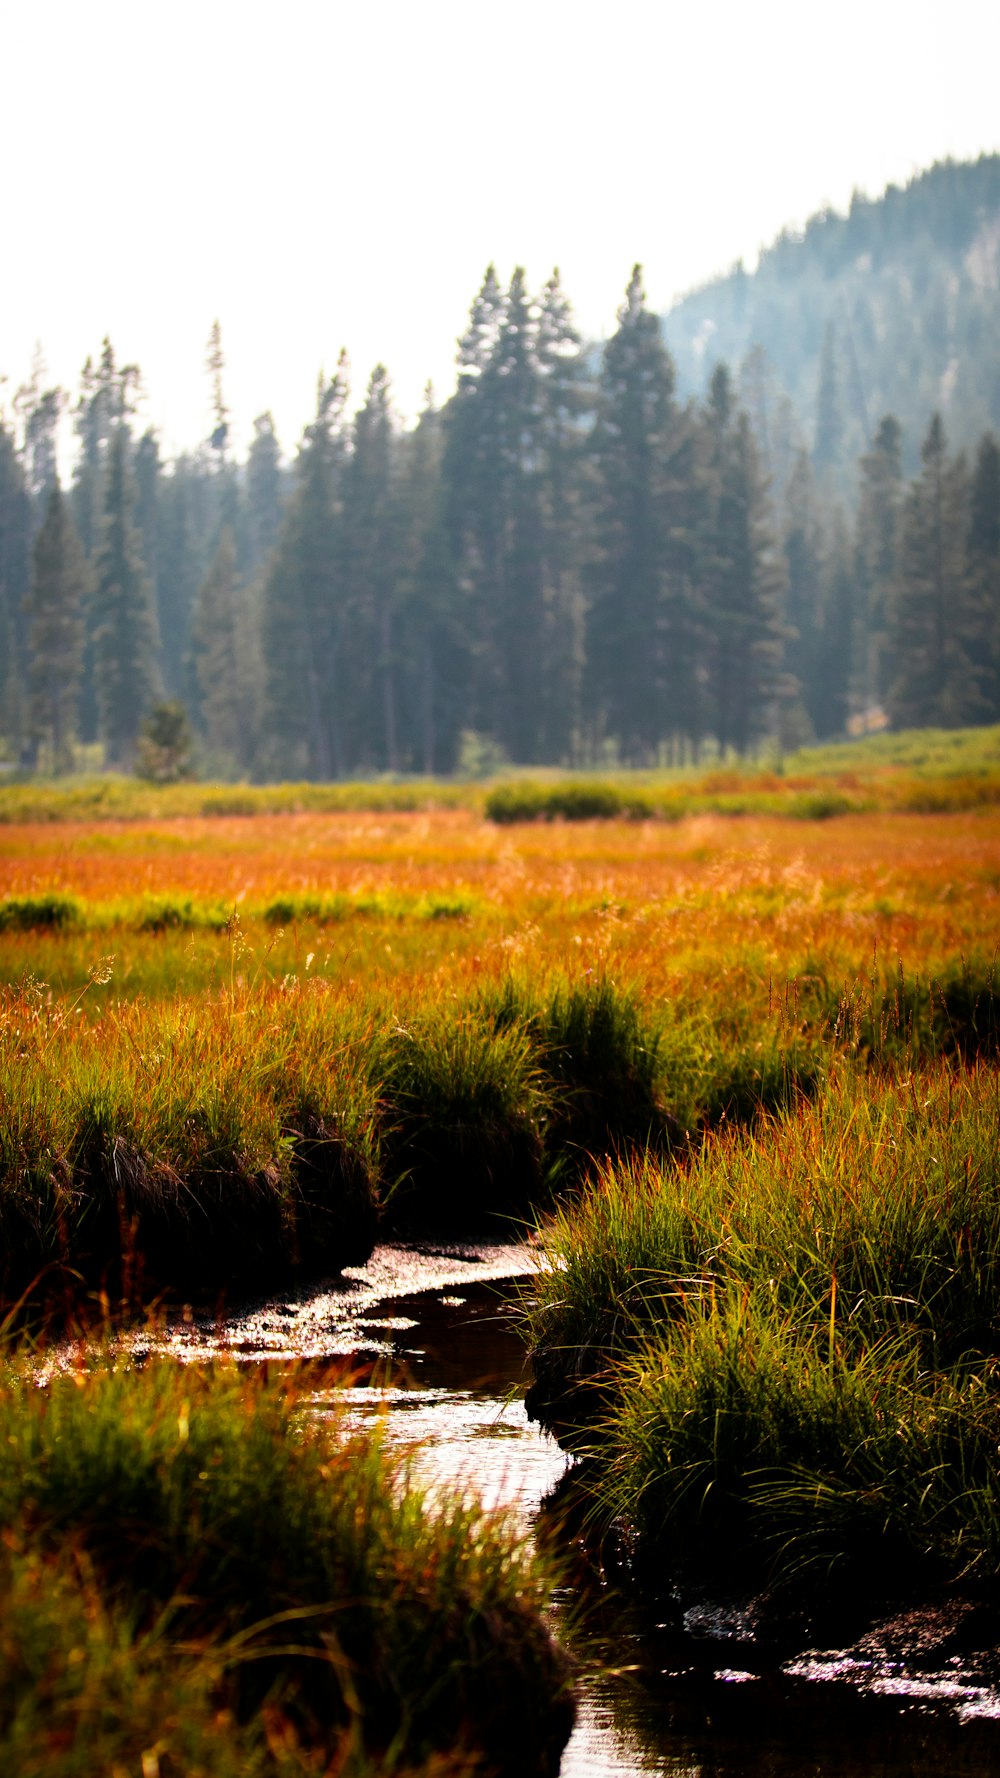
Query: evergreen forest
[[579, 559]]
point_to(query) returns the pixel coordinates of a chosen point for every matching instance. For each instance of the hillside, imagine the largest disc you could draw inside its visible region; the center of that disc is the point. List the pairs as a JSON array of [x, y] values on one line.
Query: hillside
[[894, 307]]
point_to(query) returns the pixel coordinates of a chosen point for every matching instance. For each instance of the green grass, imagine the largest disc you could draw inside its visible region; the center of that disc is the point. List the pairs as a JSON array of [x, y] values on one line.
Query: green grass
[[224, 1141], [920, 770], [131, 799], [39, 913], [192, 1557], [743, 1446], [784, 1350]]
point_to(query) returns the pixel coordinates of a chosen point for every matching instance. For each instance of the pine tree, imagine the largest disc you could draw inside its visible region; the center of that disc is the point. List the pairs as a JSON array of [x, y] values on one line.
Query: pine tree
[[938, 674], [519, 612], [565, 397], [39, 411], [109, 395], [15, 532], [125, 636], [432, 637], [829, 423], [227, 660], [744, 583], [877, 564], [55, 631], [804, 551], [304, 600], [215, 364], [630, 635], [832, 685], [983, 556], [373, 521], [265, 492]]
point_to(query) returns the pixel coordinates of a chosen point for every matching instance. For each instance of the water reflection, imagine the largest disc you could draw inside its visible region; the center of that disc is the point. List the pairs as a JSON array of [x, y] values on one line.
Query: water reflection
[[699, 1694]]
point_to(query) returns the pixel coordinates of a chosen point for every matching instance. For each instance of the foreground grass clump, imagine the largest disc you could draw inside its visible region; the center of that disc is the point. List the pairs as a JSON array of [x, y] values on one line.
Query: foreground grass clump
[[744, 1445], [192, 1567], [192, 1146], [793, 1338]]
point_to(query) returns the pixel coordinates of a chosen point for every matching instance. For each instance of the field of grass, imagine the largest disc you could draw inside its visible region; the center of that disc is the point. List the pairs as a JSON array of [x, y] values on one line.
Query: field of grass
[[228, 1046], [201, 1575], [920, 771], [747, 1066]]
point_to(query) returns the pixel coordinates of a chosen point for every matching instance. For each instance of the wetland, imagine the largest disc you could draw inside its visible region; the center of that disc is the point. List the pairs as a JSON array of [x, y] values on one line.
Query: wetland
[[615, 1208]]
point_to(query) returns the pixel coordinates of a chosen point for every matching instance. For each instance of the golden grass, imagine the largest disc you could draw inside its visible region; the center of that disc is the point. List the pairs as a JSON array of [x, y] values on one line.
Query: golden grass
[[708, 906]]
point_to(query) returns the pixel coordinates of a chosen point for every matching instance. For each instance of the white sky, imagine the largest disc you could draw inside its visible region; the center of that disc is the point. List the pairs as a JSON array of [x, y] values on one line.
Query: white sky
[[319, 175]]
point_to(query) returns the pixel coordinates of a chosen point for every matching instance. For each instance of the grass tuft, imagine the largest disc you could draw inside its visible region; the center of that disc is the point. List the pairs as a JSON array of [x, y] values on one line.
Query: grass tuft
[[189, 1551]]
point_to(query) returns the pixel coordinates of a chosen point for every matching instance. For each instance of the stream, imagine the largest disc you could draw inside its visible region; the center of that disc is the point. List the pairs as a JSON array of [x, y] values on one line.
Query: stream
[[428, 1344]]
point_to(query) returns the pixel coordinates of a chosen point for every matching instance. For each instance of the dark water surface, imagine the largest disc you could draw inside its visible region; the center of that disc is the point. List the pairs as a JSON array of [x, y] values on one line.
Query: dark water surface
[[438, 1359]]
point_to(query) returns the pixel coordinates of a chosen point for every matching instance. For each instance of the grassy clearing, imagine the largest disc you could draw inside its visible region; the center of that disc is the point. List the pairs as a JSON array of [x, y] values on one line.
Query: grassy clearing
[[921, 771], [783, 1354], [196, 1576]]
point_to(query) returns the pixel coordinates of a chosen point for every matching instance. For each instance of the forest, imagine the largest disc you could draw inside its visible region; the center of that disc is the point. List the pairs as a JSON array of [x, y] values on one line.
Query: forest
[[570, 562]]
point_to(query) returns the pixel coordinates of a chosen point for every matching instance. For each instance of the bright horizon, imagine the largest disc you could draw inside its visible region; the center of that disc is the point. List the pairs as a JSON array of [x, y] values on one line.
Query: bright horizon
[[343, 177]]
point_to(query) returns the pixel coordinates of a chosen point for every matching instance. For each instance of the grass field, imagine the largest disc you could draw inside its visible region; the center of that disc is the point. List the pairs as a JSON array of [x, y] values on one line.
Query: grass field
[[227, 1045], [743, 1066]]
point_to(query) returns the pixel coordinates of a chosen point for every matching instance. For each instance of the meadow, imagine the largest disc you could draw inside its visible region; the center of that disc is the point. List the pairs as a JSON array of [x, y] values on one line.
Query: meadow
[[740, 1068], [231, 1047]]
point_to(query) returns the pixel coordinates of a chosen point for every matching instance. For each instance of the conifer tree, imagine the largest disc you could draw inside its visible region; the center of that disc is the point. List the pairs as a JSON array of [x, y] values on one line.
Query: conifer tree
[[55, 631], [373, 521], [877, 562], [15, 531], [227, 660], [832, 684], [264, 492], [108, 398], [125, 635], [630, 636], [565, 397], [829, 423], [983, 557], [38, 410], [804, 551], [304, 600], [938, 670], [744, 583], [432, 636], [518, 614]]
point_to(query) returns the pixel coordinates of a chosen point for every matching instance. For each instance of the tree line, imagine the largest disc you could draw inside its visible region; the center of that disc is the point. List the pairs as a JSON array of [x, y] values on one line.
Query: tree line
[[564, 564]]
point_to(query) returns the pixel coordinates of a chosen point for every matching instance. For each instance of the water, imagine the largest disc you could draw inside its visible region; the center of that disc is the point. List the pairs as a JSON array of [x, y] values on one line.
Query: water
[[699, 1692]]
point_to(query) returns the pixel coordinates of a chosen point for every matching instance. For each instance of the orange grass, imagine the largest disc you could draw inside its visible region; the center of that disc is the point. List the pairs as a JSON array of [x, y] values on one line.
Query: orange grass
[[708, 906]]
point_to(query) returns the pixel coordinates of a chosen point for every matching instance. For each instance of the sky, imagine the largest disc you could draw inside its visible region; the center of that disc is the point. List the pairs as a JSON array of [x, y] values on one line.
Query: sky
[[340, 174]]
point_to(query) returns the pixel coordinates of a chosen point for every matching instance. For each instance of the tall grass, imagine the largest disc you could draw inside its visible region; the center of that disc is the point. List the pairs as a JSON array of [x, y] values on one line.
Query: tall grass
[[785, 1351], [742, 1444], [881, 1196], [188, 1553]]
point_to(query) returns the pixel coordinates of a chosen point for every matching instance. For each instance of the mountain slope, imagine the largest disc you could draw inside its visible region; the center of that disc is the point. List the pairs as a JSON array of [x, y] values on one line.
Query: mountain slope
[[894, 307]]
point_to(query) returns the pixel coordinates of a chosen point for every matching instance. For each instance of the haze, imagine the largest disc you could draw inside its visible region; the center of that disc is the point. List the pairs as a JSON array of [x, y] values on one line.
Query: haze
[[340, 175]]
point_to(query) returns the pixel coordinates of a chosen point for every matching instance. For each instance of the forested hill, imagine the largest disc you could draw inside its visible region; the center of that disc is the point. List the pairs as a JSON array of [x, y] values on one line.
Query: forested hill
[[893, 308]]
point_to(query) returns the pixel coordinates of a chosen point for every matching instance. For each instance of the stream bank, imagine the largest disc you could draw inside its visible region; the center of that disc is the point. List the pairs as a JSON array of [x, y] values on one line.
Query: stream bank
[[429, 1345]]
